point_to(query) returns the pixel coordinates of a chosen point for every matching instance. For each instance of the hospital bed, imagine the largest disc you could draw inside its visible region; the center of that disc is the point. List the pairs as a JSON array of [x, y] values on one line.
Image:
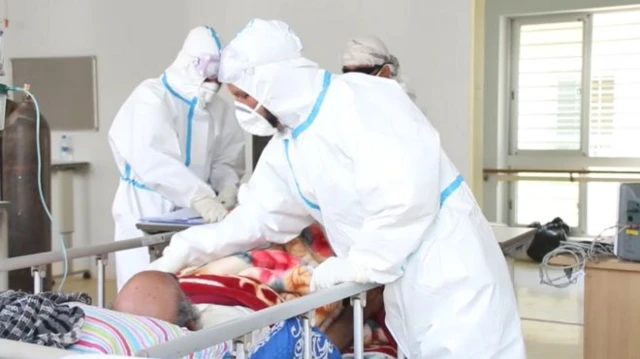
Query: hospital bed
[[511, 240]]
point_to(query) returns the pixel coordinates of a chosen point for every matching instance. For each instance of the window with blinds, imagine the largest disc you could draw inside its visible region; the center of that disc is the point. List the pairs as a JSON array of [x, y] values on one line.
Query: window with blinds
[[575, 89], [614, 123], [549, 110], [549, 83]]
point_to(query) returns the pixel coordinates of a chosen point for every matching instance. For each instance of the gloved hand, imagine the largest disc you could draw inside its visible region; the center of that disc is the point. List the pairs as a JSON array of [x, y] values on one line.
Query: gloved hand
[[167, 264], [228, 196], [335, 270], [209, 208]]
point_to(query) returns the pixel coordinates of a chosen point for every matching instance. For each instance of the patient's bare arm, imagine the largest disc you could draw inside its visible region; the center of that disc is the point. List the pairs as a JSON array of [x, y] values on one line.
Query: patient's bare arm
[[341, 331]]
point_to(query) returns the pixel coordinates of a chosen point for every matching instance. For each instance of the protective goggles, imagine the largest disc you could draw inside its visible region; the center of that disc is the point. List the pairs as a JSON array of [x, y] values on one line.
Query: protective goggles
[[208, 65], [369, 70]]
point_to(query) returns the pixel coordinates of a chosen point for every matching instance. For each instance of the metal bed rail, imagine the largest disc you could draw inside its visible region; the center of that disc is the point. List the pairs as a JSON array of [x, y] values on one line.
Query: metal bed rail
[[510, 240], [37, 262], [237, 329], [233, 330]]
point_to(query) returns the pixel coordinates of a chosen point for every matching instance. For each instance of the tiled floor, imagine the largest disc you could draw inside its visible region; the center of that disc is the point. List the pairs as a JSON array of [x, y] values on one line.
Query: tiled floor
[[561, 339], [557, 340]]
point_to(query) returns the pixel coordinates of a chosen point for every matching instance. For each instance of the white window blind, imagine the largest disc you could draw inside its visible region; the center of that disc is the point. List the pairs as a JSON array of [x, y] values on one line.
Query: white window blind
[[614, 124], [549, 82]]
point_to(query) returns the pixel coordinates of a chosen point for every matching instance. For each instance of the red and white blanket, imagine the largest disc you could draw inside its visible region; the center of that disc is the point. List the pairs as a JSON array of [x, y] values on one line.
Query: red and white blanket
[[261, 278]]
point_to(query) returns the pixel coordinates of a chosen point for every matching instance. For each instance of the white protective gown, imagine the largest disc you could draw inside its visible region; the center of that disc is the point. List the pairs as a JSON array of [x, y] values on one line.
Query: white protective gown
[[169, 150], [365, 163]]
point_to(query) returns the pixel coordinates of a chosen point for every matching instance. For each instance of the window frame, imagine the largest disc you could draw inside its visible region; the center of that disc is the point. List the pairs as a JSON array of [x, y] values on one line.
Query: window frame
[[554, 159], [512, 96]]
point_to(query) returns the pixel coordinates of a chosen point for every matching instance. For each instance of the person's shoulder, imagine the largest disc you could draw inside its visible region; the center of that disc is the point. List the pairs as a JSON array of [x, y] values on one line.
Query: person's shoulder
[[359, 83], [149, 91], [370, 94], [374, 105], [365, 91], [275, 147], [149, 94]]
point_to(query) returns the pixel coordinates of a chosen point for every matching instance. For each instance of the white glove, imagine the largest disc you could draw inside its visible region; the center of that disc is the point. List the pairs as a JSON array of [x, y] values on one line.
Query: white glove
[[228, 196], [167, 264], [210, 209], [335, 270]]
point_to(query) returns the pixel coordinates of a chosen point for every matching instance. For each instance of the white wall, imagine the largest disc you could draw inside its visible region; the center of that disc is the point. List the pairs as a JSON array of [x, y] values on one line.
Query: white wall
[[431, 38], [134, 40], [497, 13]]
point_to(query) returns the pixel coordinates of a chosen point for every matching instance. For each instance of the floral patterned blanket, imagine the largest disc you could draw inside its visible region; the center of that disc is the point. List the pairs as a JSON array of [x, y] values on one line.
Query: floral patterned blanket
[[261, 278]]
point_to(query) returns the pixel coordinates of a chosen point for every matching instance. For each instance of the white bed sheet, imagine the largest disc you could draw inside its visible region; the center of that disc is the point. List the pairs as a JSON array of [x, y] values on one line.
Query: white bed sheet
[[10, 349]]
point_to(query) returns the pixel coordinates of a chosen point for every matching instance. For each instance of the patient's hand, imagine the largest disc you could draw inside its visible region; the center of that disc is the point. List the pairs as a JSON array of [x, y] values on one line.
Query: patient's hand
[[341, 331], [375, 303]]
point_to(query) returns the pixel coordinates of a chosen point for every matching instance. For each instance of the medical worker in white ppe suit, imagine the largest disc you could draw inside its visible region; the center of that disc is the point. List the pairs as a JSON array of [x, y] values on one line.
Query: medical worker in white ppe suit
[[177, 145], [354, 153], [369, 55]]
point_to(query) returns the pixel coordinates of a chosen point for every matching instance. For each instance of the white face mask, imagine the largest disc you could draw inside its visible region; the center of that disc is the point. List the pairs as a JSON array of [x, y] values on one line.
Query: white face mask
[[253, 122], [206, 91]]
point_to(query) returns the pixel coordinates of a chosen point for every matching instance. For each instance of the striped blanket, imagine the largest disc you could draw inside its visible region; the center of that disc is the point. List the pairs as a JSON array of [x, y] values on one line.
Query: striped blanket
[[109, 332]]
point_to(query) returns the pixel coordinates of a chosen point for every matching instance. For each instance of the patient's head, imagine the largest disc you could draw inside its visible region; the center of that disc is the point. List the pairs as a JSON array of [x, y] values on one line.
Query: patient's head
[[157, 295]]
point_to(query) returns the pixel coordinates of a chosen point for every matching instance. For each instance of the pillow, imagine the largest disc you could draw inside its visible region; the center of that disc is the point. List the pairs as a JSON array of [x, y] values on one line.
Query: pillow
[[109, 332]]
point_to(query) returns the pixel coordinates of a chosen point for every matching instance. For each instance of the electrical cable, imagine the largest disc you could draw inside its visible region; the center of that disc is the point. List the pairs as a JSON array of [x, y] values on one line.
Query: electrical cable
[[40, 187], [581, 253]]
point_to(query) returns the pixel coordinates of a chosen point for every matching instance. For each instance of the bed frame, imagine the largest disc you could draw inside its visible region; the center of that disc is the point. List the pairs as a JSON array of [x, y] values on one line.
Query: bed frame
[[511, 240], [235, 329]]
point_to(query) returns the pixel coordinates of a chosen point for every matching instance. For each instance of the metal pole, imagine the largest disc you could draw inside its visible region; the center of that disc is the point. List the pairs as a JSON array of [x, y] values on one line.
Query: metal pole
[[66, 239], [239, 349], [4, 236], [31, 260], [101, 262], [306, 332], [358, 303], [511, 265], [38, 273]]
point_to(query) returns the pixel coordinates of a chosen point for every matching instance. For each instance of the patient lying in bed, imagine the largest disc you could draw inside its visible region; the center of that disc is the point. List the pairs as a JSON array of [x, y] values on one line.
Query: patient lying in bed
[[238, 285], [285, 270], [211, 300], [155, 307]]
